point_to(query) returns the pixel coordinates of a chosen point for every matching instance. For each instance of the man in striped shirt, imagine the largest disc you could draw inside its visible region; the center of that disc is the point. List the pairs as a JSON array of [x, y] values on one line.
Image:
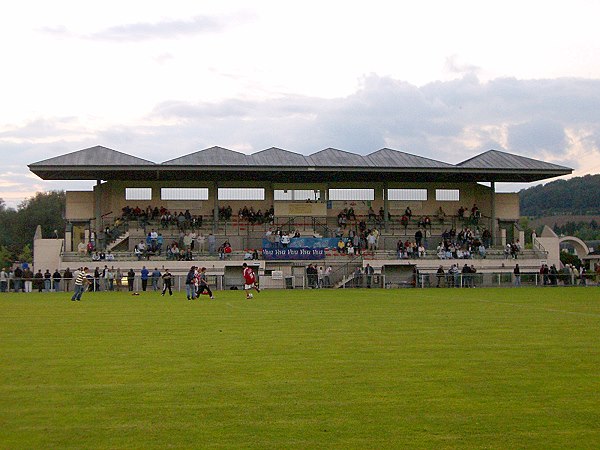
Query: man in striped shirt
[[81, 282]]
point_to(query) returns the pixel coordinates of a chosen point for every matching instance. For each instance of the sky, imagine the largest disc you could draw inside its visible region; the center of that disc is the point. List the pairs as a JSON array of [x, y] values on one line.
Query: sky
[[158, 80]]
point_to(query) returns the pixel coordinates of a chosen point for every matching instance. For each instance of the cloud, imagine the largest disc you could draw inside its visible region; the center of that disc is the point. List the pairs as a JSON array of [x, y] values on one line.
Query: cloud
[[167, 29], [554, 120]]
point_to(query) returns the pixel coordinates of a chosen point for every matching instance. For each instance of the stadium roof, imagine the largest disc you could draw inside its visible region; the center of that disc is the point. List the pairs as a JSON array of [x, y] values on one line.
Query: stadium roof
[[277, 165]]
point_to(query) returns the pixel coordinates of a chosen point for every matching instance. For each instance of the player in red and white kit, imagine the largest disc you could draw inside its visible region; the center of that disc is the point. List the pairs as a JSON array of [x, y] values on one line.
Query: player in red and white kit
[[249, 280]]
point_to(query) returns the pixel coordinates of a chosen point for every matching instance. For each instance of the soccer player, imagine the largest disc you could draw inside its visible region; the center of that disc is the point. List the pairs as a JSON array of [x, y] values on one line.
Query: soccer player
[[203, 284], [249, 280], [81, 281], [167, 279]]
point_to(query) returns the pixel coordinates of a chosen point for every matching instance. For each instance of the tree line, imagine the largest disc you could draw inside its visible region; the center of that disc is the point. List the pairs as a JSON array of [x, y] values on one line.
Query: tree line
[[577, 196], [17, 226]]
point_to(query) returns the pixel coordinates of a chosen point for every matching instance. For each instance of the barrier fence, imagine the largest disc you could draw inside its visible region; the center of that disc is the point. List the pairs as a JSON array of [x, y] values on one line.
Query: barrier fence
[[346, 281]]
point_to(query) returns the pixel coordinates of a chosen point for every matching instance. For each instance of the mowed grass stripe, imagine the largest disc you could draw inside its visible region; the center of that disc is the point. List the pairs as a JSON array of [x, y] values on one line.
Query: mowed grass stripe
[[349, 368]]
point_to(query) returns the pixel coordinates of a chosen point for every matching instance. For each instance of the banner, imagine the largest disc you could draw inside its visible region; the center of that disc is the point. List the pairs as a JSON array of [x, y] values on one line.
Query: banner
[[293, 253], [303, 242]]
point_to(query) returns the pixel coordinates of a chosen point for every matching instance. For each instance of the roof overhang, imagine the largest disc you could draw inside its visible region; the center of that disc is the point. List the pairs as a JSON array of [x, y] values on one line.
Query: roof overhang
[[296, 174]]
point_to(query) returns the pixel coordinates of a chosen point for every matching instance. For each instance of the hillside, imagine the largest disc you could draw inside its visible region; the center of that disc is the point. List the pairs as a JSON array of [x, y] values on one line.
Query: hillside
[[576, 196]]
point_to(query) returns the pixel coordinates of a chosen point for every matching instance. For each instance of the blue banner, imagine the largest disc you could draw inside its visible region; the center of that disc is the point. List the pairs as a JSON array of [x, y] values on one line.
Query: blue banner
[[303, 242], [293, 253]]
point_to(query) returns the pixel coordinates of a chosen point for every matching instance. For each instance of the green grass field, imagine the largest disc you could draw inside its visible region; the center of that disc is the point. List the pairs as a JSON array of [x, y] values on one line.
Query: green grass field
[[403, 368]]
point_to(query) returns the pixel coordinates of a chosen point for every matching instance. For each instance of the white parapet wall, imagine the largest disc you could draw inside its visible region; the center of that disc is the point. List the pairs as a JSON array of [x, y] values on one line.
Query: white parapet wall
[[46, 254]]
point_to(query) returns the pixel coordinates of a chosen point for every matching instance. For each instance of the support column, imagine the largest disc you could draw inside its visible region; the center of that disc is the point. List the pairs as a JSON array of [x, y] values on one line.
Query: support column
[[385, 206], [97, 208], [215, 208], [493, 224]]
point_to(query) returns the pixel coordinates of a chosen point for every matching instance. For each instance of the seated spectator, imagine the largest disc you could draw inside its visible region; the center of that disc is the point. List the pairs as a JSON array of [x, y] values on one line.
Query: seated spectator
[[110, 256], [404, 221], [351, 215]]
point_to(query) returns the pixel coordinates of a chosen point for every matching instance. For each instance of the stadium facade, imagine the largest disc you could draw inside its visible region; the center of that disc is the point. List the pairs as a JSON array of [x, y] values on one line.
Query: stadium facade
[[305, 193]]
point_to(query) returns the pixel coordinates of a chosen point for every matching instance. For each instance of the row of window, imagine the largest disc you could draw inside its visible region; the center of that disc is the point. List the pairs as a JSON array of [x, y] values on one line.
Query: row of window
[[442, 195]]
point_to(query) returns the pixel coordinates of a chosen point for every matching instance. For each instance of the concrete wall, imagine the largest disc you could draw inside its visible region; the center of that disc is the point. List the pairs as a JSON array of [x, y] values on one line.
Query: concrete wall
[[47, 254], [80, 205], [507, 206]]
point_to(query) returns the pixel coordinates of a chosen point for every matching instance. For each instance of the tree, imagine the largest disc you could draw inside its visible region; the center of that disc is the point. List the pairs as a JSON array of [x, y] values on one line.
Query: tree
[[570, 258], [26, 254], [6, 258], [17, 227]]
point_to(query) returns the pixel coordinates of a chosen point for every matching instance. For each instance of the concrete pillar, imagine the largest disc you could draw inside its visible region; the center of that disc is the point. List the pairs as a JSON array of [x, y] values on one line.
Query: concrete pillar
[[503, 236], [97, 208], [522, 238], [493, 214], [385, 206], [215, 207]]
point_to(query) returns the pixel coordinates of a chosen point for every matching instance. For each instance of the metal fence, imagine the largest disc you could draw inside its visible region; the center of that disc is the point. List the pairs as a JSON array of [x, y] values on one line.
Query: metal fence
[[343, 278]]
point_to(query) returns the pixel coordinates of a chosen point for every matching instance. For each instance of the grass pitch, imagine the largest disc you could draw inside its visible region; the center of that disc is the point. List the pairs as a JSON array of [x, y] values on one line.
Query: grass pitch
[[403, 368]]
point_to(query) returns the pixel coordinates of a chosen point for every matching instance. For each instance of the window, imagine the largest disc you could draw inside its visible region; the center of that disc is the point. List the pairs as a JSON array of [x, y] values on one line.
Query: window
[[351, 194], [241, 194], [447, 195], [184, 194], [138, 193], [407, 194], [297, 194]]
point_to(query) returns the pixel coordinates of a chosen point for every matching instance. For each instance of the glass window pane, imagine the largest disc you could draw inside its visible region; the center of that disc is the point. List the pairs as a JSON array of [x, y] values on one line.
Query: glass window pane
[[138, 193], [241, 194], [184, 194], [447, 195], [351, 194], [297, 194], [407, 194]]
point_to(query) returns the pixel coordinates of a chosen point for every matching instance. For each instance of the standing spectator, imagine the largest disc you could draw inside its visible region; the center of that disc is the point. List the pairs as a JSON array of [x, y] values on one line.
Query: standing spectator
[[311, 275], [517, 273], [369, 271], [38, 280], [3, 280], [357, 280], [130, 279], [118, 279], [439, 275], [96, 286], [327, 276], [155, 278], [104, 276], [144, 277], [67, 278], [110, 276], [167, 281], [47, 281], [18, 278], [56, 277], [190, 289]]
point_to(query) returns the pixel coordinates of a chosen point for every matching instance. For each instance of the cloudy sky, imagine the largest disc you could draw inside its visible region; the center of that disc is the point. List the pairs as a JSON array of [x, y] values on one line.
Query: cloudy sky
[[158, 80]]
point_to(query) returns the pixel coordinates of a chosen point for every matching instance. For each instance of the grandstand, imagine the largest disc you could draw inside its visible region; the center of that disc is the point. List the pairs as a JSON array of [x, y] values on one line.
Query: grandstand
[[226, 196]]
